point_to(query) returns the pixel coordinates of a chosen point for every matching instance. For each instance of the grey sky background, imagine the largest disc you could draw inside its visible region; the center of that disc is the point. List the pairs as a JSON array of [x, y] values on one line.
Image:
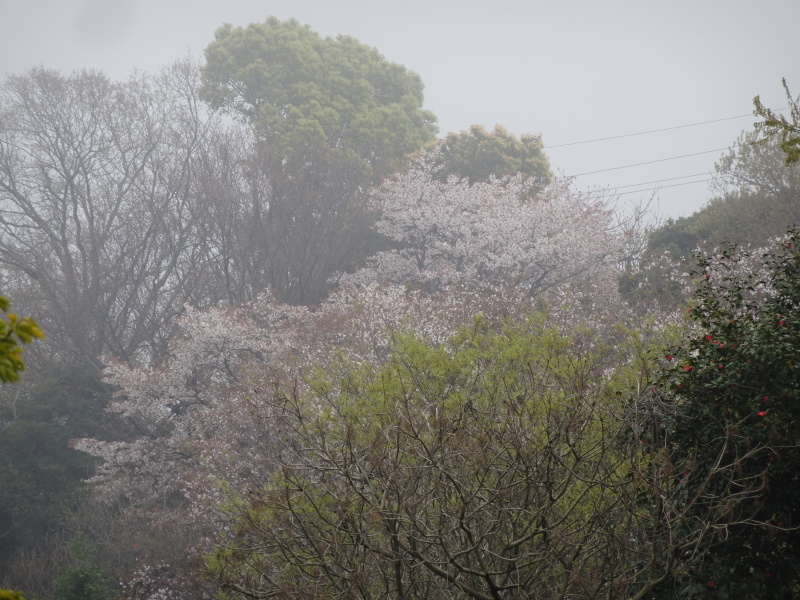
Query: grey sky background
[[570, 70]]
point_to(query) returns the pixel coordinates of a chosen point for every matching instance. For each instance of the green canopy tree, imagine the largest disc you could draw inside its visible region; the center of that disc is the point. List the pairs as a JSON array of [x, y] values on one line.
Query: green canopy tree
[[331, 117], [81, 578], [478, 154], [299, 88]]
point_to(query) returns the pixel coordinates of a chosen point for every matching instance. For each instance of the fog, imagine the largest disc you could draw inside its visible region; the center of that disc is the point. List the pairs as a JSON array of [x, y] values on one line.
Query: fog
[[572, 71], [281, 359]]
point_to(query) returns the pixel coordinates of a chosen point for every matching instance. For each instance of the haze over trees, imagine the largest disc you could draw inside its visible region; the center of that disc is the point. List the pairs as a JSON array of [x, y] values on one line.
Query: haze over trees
[[331, 118], [300, 348], [478, 155], [756, 198], [96, 188]]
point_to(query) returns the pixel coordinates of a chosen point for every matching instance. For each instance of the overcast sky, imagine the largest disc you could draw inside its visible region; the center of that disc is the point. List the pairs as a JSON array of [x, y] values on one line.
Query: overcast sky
[[569, 70]]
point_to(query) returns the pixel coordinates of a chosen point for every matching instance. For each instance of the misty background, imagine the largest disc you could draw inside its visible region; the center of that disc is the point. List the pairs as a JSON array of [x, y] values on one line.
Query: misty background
[[572, 71], [231, 299]]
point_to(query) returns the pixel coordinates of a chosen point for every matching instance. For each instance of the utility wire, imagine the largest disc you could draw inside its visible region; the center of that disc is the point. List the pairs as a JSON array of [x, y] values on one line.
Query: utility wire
[[619, 187], [649, 162], [616, 137], [665, 186], [661, 187]]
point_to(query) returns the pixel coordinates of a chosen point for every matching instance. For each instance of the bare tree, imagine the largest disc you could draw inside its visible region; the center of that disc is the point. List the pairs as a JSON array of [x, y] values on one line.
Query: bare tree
[[95, 192]]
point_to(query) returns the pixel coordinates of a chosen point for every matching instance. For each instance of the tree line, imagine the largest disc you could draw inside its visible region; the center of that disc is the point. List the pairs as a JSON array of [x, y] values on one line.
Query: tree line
[[340, 357]]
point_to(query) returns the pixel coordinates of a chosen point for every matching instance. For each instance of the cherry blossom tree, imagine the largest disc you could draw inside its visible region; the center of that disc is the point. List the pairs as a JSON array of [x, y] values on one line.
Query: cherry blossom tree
[[203, 414], [489, 233]]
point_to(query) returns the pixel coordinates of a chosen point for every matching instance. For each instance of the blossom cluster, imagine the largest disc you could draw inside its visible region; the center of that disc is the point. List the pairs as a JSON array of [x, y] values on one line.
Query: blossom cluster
[[204, 410], [489, 233]]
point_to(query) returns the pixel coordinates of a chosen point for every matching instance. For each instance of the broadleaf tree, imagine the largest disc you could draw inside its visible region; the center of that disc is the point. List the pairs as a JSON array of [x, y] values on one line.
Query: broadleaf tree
[[297, 88], [332, 117], [489, 233], [483, 468], [205, 413], [478, 155], [724, 434], [95, 187]]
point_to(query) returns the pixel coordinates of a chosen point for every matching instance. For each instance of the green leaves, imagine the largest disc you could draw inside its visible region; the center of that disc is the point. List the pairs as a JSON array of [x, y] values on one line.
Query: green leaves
[[483, 468], [332, 118], [13, 333], [478, 154], [733, 439], [777, 124], [298, 88]]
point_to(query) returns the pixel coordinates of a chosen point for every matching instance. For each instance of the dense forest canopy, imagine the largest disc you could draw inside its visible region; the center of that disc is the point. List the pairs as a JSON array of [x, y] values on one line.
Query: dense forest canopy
[[298, 347]]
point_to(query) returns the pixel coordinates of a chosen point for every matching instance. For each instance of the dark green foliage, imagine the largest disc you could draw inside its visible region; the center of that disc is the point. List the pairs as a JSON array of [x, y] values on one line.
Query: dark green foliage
[[654, 282], [759, 197], [733, 438], [82, 579], [38, 469], [678, 237], [82, 583], [478, 154]]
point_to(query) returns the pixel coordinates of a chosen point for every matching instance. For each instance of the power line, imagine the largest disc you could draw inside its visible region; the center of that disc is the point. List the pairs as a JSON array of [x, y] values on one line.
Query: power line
[[619, 187], [660, 187], [616, 137], [657, 160], [649, 162], [666, 186]]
